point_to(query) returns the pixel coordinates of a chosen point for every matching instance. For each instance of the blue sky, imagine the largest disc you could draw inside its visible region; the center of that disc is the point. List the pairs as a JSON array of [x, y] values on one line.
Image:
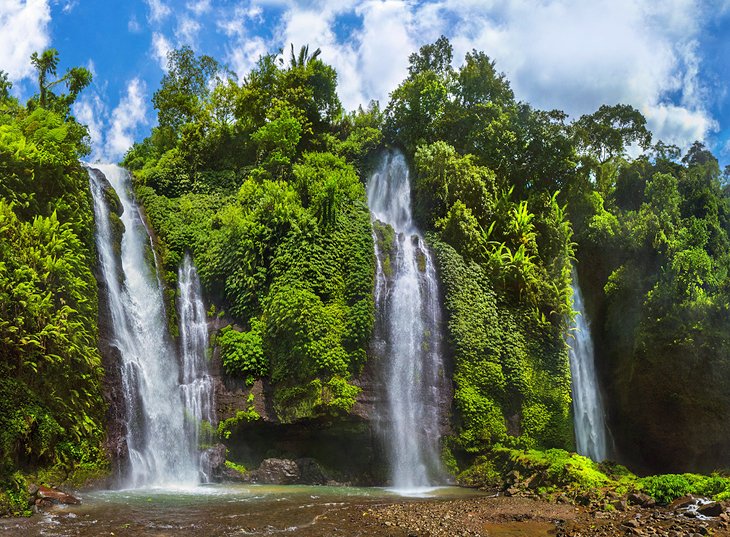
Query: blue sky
[[669, 59]]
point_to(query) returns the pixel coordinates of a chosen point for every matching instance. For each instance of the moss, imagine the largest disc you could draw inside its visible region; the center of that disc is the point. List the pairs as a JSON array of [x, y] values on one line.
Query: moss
[[481, 474], [512, 377], [385, 236], [668, 487], [421, 260], [14, 496], [240, 468], [556, 472], [226, 427]]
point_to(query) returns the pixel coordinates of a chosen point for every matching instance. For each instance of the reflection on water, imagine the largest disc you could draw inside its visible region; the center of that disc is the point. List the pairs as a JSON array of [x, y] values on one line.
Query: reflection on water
[[218, 510]]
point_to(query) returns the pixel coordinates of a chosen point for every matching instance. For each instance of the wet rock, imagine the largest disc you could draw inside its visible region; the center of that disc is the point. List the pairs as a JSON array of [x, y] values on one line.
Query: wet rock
[[712, 509], [682, 502], [56, 496], [310, 472], [641, 499], [277, 472], [214, 460]]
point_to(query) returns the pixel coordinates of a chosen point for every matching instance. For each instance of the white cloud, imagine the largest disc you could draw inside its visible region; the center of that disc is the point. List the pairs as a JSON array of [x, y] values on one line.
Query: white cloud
[[577, 55], [90, 110], [160, 47], [243, 48], [242, 57], [130, 113], [69, 5], [567, 54], [199, 7], [24, 29], [133, 25], [159, 10], [187, 31], [384, 47], [678, 125]]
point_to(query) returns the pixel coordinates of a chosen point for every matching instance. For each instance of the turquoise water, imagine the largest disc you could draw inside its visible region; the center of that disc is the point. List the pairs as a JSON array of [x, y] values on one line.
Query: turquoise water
[[221, 510]]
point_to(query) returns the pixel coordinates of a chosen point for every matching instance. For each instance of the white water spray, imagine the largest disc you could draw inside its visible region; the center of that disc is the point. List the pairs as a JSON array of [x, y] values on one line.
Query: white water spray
[[591, 436], [159, 443], [197, 385], [408, 334]]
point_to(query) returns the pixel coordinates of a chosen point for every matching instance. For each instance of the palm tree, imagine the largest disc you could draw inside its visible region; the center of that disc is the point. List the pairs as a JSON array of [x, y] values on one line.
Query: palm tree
[[304, 58]]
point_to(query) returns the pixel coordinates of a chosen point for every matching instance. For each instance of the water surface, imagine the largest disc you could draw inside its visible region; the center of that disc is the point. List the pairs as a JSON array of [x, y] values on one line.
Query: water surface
[[220, 510]]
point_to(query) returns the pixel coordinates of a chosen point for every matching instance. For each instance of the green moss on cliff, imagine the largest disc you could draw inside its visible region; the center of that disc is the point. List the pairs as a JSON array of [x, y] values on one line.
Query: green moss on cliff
[[511, 377]]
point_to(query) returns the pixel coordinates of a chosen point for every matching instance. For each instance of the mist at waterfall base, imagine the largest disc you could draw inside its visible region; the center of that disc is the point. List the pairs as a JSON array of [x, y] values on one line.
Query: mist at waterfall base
[[165, 398], [591, 433], [408, 338]]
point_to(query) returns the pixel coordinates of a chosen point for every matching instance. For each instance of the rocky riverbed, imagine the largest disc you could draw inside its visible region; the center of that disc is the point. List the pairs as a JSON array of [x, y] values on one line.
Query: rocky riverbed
[[515, 516]]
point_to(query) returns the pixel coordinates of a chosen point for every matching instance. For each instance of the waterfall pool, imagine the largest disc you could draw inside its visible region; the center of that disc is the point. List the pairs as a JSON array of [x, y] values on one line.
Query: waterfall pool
[[210, 510]]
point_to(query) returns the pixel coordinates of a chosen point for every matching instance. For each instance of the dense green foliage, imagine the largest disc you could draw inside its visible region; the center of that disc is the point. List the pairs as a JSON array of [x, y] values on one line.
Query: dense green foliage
[[655, 251], [259, 181], [51, 408], [557, 473]]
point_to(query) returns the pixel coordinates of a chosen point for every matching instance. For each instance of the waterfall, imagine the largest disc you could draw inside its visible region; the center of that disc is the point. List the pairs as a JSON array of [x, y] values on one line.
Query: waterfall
[[158, 441], [588, 411], [196, 386], [407, 334]]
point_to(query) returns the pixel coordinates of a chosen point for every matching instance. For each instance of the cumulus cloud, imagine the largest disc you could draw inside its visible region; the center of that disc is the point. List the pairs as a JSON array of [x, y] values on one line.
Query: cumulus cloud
[[160, 47], [24, 29], [678, 125], [91, 111], [159, 10], [130, 113], [243, 48], [187, 31], [199, 6]]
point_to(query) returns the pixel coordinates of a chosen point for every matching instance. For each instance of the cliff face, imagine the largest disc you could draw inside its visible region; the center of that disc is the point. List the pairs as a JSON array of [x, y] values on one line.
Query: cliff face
[[666, 389], [348, 448]]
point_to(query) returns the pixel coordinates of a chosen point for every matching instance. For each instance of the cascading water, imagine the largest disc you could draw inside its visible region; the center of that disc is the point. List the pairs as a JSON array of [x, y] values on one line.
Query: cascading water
[[159, 443], [408, 333], [197, 385], [589, 419]]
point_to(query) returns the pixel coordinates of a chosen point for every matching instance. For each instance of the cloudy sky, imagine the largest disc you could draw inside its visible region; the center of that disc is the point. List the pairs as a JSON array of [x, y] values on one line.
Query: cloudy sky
[[669, 59]]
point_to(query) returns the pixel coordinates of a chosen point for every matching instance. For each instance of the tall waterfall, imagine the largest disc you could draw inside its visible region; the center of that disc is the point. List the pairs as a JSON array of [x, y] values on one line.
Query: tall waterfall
[[408, 333], [159, 443], [589, 419], [197, 386]]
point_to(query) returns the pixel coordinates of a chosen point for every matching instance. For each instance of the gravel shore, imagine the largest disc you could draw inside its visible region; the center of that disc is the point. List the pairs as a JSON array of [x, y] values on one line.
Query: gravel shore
[[516, 516]]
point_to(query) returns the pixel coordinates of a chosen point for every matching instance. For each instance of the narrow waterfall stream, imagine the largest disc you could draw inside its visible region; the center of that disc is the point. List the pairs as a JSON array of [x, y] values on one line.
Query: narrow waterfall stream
[[162, 449], [591, 436], [197, 385], [408, 333]]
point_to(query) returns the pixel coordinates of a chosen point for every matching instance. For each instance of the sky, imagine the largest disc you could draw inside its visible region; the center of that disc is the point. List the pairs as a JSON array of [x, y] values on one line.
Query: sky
[[669, 59]]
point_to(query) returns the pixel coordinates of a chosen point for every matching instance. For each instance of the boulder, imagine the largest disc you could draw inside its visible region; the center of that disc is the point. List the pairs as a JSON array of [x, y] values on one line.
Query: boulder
[[214, 460], [641, 499], [56, 496], [682, 502], [712, 509], [277, 472], [311, 473]]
